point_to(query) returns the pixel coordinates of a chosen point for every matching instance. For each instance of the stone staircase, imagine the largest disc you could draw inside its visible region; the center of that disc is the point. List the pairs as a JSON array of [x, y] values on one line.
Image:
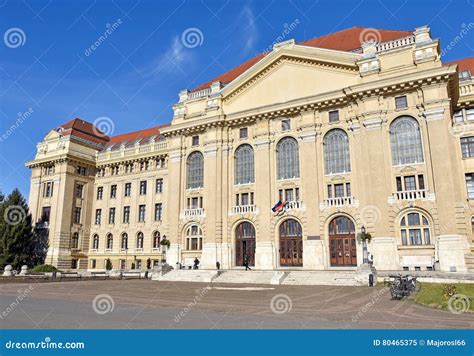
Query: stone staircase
[[329, 278], [250, 277], [188, 275], [470, 261]]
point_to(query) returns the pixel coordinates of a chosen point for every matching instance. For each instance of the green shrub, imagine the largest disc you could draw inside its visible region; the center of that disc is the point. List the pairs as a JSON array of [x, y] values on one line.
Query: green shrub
[[108, 264], [449, 290], [45, 268]]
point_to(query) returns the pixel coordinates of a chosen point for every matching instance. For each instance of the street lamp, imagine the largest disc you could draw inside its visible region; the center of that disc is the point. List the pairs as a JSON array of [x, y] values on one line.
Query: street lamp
[[363, 232]]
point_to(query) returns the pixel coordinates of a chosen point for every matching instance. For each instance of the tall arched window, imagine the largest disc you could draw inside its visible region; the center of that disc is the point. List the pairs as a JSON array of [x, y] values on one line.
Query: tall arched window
[[124, 241], [95, 242], [415, 229], [140, 240], [244, 165], [75, 240], [195, 170], [405, 139], [110, 241], [336, 152], [288, 163], [156, 239], [194, 238]]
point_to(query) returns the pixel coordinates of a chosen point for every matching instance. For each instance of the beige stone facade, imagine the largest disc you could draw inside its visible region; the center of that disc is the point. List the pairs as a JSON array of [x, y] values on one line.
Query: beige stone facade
[[343, 139]]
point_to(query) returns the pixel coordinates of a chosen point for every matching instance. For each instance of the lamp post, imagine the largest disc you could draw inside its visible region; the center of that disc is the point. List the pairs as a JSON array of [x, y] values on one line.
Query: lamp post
[[164, 249], [126, 256], [364, 245]]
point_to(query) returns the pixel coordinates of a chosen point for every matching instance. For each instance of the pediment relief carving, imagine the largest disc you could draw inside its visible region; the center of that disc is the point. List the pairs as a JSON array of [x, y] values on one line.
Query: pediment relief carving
[[408, 169]]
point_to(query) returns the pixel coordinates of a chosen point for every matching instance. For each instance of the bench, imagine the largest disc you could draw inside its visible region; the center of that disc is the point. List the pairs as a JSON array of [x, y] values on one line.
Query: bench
[[69, 275], [102, 274], [130, 274]]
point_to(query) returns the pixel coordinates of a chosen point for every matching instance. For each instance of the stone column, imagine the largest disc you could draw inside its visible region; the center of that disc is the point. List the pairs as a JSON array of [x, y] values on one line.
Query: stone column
[[175, 196]]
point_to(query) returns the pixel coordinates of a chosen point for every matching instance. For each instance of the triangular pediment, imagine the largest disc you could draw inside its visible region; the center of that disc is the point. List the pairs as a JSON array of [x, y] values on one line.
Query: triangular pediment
[[52, 135], [289, 74]]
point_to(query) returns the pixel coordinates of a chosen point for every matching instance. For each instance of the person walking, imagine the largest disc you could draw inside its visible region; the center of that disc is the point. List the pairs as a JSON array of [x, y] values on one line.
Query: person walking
[[196, 263], [246, 263]]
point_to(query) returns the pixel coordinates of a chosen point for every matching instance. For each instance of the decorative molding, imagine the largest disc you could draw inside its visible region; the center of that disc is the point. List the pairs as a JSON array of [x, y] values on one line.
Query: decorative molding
[[373, 124], [309, 136], [210, 151], [433, 114], [262, 143], [175, 156]]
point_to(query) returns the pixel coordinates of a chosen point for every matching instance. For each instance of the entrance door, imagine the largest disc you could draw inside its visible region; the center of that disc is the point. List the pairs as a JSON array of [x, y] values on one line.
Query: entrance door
[[291, 244], [244, 244], [342, 242]]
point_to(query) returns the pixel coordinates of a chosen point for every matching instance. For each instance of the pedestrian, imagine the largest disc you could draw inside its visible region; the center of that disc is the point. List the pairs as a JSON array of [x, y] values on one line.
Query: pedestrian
[[196, 263], [218, 265], [148, 263], [246, 263]]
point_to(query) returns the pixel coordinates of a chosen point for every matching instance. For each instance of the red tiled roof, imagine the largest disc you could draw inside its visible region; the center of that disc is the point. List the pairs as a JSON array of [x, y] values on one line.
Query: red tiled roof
[[83, 129], [465, 64], [345, 40], [132, 136]]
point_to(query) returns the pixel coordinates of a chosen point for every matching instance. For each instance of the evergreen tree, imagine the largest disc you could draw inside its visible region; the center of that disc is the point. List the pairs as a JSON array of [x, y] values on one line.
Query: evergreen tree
[[17, 240]]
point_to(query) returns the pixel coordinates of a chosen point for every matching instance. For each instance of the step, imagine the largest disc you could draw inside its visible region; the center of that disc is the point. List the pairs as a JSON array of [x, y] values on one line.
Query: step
[[181, 275], [331, 278], [245, 277]]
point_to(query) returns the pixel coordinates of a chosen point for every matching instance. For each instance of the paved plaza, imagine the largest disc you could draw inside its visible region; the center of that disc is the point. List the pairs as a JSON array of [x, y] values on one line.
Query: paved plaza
[[182, 305]]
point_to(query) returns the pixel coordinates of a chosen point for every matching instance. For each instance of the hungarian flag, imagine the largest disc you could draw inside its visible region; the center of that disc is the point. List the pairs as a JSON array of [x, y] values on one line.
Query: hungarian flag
[[279, 206]]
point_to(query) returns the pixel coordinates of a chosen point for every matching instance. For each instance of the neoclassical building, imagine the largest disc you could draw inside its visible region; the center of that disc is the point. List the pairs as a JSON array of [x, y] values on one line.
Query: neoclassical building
[[336, 134]]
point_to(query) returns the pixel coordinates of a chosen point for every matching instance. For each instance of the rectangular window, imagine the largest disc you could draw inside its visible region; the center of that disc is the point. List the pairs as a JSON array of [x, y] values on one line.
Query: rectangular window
[[82, 171], [128, 189], [245, 198], [100, 193], [141, 213], [339, 190], [128, 168], [195, 140], [45, 214], [297, 194], [280, 195], [401, 102], [399, 184], [289, 195], [348, 189], [470, 114], [470, 185], [243, 132], [334, 116], [251, 198], [329, 191], [74, 263], [93, 264], [467, 147], [77, 215], [285, 125], [79, 189], [98, 216], [126, 214], [144, 165], [458, 116], [158, 211], [421, 181], [112, 216], [48, 189], [410, 183], [237, 200], [194, 203], [159, 185], [143, 187], [113, 191]]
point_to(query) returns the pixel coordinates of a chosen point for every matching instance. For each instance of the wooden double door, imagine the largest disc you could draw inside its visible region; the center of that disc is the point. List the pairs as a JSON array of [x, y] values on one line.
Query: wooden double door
[[343, 250], [245, 244], [291, 244]]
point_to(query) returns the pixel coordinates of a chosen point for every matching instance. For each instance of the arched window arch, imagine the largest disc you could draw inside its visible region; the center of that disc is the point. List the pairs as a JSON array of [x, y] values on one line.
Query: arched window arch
[[288, 163], [415, 229], [195, 170], [75, 240], [341, 225], [405, 140], [95, 242], [194, 238], [124, 241], [244, 165], [290, 228], [156, 239], [336, 152], [140, 240], [110, 241]]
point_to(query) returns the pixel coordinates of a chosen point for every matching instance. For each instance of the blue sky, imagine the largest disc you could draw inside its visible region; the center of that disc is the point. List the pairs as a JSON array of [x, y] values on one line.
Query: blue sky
[[135, 74]]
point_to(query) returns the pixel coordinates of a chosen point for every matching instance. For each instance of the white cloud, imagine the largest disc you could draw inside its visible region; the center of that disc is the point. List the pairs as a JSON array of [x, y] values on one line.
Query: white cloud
[[172, 60]]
